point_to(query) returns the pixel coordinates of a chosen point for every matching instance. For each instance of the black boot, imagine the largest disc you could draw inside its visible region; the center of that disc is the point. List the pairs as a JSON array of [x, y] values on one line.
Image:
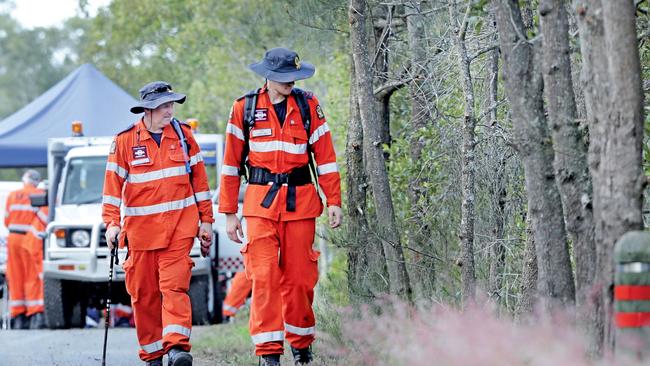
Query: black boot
[[270, 360], [301, 356], [156, 362], [178, 357], [20, 322], [37, 321]]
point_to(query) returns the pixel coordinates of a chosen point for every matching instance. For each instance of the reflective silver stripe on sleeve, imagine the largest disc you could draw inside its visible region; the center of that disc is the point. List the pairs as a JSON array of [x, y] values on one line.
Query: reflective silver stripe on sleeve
[[152, 347], [18, 207], [20, 227], [113, 167], [110, 200], [175, 328], [633, 267], [268, 337], [327, 168], [229, 308], [202, 196], [275, 145], [298, 330], [230, 170], [320, 131], [235, 131], [159, 208], [195, 159], [157, 174], [42, 216]]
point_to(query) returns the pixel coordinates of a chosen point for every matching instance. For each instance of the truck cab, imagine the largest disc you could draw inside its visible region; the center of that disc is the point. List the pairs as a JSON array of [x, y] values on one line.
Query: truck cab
[[75, 263]]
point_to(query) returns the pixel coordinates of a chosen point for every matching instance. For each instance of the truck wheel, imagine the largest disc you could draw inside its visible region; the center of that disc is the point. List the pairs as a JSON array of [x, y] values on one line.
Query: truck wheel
[[199, 299], [78, 315], [54, 303]]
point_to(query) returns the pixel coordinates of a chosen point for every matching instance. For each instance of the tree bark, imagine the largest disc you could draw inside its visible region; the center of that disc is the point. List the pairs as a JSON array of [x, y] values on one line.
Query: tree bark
[[468, 160], [398, 277], [524, 86], [529, 272], [571, 168]]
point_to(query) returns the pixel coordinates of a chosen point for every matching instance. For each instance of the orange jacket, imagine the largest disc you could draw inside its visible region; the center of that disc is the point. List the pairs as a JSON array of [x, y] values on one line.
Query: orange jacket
[[19, 213], [37, 232], [280, 150], [161, 204]]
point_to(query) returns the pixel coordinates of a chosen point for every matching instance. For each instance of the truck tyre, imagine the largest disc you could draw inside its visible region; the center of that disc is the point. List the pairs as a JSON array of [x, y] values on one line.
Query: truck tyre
[[199, 299], [54, 303]]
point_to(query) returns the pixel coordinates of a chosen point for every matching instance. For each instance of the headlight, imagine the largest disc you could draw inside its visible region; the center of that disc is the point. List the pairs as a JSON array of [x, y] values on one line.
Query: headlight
[[80, 238]]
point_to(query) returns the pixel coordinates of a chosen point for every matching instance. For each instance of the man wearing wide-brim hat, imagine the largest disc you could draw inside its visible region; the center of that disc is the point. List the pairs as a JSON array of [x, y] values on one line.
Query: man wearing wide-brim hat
[[155, 171], [271, 134]]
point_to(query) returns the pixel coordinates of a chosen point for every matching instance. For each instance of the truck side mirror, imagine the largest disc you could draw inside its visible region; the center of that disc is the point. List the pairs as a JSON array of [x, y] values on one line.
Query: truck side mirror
[[38, 199]]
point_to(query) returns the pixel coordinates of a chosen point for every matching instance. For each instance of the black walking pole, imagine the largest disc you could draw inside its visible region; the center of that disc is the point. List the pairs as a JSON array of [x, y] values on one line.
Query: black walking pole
[[108, 299]]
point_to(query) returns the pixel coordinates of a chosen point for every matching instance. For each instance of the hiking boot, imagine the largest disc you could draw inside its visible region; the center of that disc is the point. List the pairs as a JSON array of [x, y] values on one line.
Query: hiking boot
[[270, 360], [20, 322], [301, 356], [178, 357], [37, 321], [156, 362]]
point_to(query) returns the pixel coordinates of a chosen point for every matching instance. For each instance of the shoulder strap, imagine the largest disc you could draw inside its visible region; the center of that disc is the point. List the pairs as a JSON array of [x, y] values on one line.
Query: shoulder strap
[[186, 148], [250, 103], [305, 114]]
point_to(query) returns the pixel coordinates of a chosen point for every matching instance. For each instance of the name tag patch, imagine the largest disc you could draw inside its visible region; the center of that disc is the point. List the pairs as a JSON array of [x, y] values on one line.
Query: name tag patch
[[261, 114], [140, 155], [261, 132]]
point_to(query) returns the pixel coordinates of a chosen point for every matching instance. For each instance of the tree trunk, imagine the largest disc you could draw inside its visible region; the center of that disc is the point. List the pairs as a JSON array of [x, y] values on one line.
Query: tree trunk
[[397, 276], [366, 261], [571, 168], [529, 272], [524, 90], [614, 102], [468, 160]]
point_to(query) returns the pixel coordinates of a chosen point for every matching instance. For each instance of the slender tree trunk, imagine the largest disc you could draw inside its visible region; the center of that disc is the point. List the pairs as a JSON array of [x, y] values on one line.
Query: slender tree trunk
[[376, 168], [571, 168], [529, 272], [524, 90], [468, 165], [381, 24], [614, 104]]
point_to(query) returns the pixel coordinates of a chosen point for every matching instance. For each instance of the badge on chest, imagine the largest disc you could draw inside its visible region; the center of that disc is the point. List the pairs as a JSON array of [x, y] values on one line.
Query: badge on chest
[[140, 155]]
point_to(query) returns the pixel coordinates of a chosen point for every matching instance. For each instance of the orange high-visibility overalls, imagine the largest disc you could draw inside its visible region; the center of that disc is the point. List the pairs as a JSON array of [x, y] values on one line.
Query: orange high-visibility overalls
[[21, 266], [240, 288], [278, 257], [162, 208]]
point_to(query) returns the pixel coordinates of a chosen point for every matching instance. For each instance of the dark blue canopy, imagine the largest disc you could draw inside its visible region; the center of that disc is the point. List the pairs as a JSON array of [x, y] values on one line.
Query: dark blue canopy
[[85, 95]]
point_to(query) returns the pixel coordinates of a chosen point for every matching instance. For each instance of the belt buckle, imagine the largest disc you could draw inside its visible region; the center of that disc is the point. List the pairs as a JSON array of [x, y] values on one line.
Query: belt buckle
[[281, 178]]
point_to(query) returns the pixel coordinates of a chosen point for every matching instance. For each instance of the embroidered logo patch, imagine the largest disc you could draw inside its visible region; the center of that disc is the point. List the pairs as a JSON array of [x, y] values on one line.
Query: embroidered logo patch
[[140, 152], [319, 112], [261, 114], [113, 147]]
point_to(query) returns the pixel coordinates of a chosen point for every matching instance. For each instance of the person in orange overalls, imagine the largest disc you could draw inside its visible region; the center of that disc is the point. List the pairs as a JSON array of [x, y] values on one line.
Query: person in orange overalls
[[281, 202], [155, 170], [34, 282], [240, 289], [25, 299]]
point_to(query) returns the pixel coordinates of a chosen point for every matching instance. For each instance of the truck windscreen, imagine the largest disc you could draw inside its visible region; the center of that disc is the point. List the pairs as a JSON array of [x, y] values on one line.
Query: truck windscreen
[[84, 180]]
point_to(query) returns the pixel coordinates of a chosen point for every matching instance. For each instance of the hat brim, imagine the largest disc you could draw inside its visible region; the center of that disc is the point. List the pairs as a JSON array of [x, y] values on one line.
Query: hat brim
[[305, 71], [153, 104]]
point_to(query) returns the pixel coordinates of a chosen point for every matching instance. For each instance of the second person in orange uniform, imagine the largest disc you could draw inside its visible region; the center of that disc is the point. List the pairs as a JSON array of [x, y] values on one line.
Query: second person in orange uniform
[[281, 202], [240, 289], [155, 170]]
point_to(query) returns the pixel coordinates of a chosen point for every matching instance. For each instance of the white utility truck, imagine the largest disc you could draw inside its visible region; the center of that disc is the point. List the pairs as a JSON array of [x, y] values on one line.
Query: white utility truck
[[75, 265]]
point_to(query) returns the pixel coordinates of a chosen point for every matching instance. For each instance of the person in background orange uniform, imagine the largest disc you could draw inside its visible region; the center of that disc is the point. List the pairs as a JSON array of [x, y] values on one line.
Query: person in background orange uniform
[[155, 170], [22, 269], [281, 202], [240, 289]]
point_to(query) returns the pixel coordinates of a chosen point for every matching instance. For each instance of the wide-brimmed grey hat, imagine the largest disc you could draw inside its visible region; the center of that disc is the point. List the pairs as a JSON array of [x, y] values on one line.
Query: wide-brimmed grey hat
[[154, 95], [283, 65]]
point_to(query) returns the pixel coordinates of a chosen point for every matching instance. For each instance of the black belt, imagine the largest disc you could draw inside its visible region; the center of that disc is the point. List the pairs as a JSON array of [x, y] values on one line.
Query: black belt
[[297, 177], [14, 231]]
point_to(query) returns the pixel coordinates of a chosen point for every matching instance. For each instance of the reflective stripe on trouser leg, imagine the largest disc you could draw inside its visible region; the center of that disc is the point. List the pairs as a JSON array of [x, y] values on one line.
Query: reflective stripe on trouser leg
[[175, 271], [142, 284], [299, 277], [17, 260], [236, 297], [261, 265]]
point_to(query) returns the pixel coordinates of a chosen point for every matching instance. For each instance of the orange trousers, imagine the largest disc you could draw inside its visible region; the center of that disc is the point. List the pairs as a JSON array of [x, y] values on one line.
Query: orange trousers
[[158, 281], [280, 261], [24, 274], [240, 288]]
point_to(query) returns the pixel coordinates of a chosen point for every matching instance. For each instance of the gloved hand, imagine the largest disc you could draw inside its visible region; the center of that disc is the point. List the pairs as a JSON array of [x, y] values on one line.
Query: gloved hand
[[205, 236], [111, 236]]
